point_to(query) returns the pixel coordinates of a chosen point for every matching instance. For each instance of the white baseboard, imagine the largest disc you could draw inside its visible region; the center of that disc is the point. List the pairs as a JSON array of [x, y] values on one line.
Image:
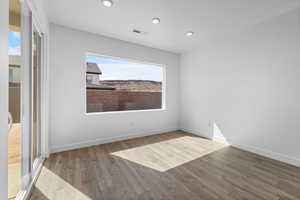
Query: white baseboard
[[56, 149], [269, 154], [220, 140], [263, 152], [195, 132], [198, 133]]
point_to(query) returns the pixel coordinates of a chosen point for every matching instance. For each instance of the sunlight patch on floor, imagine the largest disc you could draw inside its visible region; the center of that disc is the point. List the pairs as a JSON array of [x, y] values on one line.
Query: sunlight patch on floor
[[14, 182], [14, 161], [14, 144], [169, 154], [55, 188]]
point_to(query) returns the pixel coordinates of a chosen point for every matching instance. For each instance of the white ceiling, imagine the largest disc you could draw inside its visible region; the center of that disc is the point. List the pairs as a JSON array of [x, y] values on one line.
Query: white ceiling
[[209, 19]]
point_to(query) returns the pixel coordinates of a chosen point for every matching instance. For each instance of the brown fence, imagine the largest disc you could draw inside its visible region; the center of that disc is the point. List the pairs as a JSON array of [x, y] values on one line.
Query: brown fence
[[114, 100], [14, 103]]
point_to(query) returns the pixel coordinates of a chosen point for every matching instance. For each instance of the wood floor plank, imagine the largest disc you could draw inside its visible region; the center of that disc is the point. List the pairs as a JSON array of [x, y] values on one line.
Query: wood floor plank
[[170, 166]]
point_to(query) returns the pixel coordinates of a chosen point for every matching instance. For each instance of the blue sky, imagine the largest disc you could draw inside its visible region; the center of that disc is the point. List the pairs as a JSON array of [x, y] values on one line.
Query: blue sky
[[14, 43], [113, 69]]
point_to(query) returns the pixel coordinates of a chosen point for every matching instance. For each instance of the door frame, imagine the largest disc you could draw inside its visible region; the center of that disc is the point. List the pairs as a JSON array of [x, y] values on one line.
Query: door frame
[[4, 23], [30, 16], [36, 163], [42, 26], [27, 178]]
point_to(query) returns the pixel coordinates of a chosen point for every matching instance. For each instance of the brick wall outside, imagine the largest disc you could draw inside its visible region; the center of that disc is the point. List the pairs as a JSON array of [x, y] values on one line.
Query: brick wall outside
[[114, 100]]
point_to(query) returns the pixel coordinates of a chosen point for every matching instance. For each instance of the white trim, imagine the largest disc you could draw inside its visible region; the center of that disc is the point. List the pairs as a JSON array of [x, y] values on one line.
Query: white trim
[[40, 94], [220, 140], [98, 141], [195, 132], [263, 152], [24, 194], [269, 154], [37, 15], [44, 99], [125, 111], [124, 59], [4, 24], [42, 27], [25, 94], [29, 173], [164, 83]]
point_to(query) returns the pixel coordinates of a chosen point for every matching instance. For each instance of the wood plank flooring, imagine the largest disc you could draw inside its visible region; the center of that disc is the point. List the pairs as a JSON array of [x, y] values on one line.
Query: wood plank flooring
[[171, 166]]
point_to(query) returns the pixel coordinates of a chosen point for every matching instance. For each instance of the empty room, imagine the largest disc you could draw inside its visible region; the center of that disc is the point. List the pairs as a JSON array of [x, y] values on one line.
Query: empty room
[[150, 99]]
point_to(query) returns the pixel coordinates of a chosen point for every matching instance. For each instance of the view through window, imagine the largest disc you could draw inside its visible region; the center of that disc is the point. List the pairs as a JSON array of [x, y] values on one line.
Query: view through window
[[120, 85]]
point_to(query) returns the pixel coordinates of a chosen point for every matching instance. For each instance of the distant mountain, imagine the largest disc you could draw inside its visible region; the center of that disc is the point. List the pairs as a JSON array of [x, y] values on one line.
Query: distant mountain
[[133, 85]]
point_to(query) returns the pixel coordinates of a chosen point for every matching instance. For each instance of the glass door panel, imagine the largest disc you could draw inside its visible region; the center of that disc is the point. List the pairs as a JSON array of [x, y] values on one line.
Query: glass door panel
[[14, 90], [36, 95]]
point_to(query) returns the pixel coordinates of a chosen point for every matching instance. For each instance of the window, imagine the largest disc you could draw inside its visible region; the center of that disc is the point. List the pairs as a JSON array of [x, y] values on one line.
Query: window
[[120, 85]]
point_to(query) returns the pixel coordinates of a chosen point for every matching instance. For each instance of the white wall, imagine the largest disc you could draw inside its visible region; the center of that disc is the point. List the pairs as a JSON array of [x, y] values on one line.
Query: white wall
[[70, 126], [249, 85], [4, 22], [38, 8]]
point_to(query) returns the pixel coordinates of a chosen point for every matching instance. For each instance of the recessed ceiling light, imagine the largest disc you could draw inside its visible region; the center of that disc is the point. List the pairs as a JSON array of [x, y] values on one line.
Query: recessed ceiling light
[[156, 20], [107, 3], [189, 33]]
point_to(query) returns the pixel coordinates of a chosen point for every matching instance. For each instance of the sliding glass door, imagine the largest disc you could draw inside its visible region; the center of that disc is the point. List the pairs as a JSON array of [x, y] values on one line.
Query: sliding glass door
[[36, 96], [32, 58], [14, 100], [20, 98], [36, 69]]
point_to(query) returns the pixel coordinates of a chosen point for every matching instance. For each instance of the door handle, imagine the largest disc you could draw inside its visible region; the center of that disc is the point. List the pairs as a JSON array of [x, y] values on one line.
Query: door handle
[[10, 122]]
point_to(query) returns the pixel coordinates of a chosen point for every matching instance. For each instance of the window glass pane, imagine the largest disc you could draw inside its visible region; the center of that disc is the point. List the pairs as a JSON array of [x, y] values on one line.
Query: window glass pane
[[120, 85], [36, 91]]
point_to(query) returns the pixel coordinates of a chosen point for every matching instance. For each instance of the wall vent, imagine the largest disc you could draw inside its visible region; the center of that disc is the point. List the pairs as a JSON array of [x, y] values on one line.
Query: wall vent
[[138, 31]]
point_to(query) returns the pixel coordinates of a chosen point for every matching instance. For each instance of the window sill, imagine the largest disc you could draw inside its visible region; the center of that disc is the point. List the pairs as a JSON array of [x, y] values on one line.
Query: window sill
[[124, 112]]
